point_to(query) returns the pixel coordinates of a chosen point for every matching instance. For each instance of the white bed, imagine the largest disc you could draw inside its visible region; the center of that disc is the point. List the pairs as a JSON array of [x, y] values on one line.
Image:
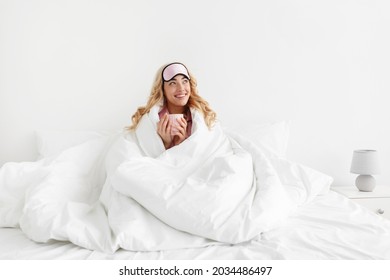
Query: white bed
[[330, 227], [326, 226]]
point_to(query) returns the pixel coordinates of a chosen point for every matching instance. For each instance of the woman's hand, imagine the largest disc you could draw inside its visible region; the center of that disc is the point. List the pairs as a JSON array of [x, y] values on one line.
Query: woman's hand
[[164, 130], [181, 131]]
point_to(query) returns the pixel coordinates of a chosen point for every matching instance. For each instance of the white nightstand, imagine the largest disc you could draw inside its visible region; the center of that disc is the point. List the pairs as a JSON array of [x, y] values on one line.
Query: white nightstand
[[378, 200]]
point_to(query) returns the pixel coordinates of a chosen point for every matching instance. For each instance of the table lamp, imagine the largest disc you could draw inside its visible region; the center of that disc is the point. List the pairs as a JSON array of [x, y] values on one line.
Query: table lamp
[[365, 163]]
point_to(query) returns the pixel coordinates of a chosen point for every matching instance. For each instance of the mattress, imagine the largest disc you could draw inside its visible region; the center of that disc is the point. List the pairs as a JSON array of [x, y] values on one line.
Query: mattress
[[329, 227]]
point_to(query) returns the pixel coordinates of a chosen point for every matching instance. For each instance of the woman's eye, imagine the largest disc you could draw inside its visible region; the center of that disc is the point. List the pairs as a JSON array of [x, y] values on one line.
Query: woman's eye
[[185, 81], [172, 83]]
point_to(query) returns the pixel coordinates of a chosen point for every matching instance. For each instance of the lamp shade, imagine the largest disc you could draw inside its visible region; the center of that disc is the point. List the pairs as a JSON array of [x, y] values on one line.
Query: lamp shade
[[365, 162]]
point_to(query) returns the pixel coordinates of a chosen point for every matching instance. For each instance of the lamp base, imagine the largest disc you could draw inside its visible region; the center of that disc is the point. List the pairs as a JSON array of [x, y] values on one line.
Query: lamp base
[[365, 183]]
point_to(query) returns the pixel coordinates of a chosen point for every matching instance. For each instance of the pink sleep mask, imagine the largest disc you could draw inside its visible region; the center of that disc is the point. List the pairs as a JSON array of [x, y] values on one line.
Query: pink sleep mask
[[173, 69]]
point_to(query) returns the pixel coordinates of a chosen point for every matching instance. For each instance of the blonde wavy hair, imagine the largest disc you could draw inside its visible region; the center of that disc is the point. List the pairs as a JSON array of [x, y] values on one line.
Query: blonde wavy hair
[[157, 95]]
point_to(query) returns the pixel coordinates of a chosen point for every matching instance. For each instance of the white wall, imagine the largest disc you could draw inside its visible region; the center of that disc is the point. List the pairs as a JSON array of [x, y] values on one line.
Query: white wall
[[83, 64]]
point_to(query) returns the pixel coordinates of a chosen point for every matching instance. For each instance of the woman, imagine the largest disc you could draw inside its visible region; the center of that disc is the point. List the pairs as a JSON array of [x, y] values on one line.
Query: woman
[[175, 90]]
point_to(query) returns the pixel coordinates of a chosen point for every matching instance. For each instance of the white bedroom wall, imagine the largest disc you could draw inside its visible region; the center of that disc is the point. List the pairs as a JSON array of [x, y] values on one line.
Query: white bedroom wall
[[323, 65]]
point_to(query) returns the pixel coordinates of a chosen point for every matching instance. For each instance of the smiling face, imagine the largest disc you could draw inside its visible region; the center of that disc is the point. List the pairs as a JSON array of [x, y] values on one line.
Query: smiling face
[[177, 92]]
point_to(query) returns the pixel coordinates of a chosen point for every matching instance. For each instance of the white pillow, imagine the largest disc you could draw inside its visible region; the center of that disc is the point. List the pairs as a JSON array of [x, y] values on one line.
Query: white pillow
[[273, 136], [53, 142]]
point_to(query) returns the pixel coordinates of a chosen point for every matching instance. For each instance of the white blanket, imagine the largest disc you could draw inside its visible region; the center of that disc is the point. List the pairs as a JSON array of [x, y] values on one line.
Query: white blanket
[[127, 191]]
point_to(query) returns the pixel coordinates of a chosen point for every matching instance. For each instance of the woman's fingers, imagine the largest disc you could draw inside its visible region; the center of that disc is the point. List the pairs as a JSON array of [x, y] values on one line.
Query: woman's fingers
[[182, 122], [169, 133], [180, 133], [164, 130], [166, 124]]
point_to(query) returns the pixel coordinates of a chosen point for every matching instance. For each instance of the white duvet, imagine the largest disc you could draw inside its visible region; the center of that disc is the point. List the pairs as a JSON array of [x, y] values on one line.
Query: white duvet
[[126, 191]]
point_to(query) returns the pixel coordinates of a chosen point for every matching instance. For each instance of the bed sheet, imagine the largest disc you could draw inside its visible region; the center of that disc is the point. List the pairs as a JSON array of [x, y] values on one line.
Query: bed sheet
[[330, 227]]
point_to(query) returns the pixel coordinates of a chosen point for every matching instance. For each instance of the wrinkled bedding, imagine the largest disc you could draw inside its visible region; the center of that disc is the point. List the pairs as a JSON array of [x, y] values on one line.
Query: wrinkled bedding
[[126, 191], [331, 227]]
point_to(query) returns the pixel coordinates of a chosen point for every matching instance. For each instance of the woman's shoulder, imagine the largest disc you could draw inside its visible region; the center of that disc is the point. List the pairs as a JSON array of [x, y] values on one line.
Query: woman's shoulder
[[128, 133]]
